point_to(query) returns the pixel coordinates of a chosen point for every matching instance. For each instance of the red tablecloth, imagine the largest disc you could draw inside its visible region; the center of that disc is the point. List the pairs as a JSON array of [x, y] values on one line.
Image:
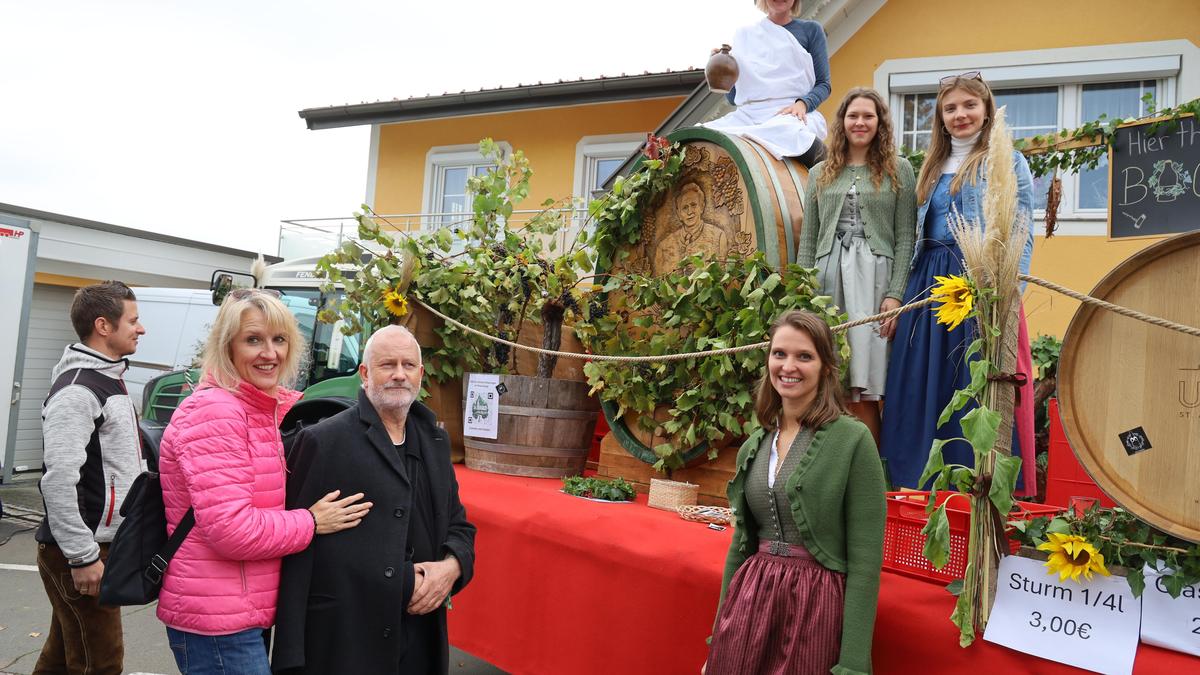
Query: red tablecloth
[[565, 585]]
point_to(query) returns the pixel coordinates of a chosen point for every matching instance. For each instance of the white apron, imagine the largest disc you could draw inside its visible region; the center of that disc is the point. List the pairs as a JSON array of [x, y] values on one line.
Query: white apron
[[773, 71]]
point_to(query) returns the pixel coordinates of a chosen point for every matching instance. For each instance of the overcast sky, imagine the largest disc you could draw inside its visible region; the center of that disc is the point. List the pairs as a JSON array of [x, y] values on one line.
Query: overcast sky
[[180, 117]]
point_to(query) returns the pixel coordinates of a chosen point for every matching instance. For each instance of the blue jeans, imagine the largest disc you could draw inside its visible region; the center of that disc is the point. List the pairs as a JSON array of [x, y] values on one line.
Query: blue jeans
[[243, 653]]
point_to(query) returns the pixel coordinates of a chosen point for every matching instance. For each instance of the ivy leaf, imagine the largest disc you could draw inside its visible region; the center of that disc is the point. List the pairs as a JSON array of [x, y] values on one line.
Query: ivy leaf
[[1174, 583], [955, 587], [1058, 525], [1137, 581]]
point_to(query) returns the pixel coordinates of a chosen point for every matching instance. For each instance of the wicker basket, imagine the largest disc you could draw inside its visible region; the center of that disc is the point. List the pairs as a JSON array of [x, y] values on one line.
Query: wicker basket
[[707, 514], [669, 495]]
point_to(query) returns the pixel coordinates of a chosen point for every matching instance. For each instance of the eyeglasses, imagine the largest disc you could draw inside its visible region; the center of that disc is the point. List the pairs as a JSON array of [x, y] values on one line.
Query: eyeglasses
[[243, 293], [949, 80]]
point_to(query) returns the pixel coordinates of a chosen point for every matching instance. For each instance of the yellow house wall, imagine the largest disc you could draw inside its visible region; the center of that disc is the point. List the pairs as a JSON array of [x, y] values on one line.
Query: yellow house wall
[[548, 137], [925, 28], [62, 280]]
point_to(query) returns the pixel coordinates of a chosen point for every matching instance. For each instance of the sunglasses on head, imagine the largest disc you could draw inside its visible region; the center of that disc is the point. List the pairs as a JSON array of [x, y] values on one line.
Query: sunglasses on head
[[949, 80], [243, 293]]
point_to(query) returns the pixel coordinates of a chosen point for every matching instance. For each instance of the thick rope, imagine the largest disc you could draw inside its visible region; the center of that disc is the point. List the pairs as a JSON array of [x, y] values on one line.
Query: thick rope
[[672, 357], [1123, 311], [1087, 299]]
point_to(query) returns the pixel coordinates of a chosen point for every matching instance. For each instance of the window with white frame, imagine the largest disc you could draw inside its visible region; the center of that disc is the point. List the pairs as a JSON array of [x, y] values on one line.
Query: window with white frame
[[598, 157], [447, 168], [1032, 111], [1046, 90]]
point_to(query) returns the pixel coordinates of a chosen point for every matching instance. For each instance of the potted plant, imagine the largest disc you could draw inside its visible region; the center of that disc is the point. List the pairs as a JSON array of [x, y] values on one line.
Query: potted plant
[[498, 279]]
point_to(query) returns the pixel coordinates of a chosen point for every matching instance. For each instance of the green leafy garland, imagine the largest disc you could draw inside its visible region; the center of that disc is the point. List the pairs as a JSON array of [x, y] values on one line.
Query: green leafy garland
[[617, 215], [1064, 150], [704, 305], [1071, 150], [1124, 540], [708, 305]]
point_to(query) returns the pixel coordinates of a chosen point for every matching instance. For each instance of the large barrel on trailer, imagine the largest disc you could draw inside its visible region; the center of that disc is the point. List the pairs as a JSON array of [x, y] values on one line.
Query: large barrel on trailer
[[1129, 391], [731, 197]]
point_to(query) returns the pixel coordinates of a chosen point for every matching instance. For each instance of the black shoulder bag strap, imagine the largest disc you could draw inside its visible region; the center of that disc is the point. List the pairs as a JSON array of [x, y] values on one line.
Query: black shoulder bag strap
[[158, 564]]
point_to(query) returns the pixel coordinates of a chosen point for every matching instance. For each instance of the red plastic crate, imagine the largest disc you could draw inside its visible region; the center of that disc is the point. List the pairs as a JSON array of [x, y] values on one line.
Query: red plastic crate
[[903, 541], [1066, 479]]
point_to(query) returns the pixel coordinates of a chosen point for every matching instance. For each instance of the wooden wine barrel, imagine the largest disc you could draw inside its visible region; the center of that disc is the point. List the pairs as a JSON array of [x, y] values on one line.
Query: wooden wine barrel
[[545, 429], [445, 399], [1130, 392], [755, 202]]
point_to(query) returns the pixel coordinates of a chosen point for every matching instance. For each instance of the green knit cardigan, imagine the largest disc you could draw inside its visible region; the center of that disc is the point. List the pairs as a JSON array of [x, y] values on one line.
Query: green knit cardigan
[[890, 219], [836, 495]]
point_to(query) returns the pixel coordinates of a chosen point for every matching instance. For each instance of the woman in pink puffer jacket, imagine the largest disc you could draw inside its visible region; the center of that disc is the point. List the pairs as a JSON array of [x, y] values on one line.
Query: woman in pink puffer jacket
[[222, 457]]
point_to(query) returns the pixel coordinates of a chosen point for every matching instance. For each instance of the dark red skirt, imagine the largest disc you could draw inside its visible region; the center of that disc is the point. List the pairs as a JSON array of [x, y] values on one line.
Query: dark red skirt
[[782, 615]]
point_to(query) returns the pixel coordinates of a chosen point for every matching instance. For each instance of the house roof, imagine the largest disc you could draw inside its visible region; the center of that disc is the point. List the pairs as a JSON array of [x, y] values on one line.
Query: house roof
[[35, 214], [505, 99]]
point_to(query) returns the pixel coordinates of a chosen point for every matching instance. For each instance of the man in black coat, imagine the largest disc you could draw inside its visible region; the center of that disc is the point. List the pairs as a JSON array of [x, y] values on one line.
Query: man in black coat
[[373, 598]]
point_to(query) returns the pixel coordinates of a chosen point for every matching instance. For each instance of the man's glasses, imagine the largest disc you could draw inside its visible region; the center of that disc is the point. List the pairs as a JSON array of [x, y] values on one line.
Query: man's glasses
[[949, 80], [243, 293]]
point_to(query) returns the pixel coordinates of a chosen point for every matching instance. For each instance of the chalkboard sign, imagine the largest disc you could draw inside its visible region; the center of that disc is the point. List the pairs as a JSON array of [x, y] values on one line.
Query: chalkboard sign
[[1154, 179]]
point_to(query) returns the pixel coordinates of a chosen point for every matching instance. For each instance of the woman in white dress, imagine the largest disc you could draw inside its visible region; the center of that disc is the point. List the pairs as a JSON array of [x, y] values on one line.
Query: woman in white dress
[[783, 75]]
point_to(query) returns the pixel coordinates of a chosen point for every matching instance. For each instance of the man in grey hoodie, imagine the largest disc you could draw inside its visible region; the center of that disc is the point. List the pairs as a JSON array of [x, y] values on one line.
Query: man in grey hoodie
[[92, 454]]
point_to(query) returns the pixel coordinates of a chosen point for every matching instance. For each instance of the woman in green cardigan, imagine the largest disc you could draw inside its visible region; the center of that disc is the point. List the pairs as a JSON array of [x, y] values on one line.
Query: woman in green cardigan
[[802, 575], [858, 220]]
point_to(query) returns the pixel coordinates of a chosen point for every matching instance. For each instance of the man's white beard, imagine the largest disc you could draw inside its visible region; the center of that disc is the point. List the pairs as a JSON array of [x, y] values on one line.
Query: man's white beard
[[390, 400]]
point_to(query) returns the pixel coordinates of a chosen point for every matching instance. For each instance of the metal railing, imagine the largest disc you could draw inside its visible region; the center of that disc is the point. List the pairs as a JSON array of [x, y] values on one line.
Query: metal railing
[[304, 237]]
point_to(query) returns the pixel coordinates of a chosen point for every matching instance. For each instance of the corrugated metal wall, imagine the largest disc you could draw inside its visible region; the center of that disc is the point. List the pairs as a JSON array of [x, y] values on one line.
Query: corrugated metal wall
[[49, 332]]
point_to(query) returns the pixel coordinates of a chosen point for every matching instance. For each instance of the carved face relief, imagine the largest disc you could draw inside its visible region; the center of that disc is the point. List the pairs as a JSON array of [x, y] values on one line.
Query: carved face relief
[[703, 213], [689, 205]]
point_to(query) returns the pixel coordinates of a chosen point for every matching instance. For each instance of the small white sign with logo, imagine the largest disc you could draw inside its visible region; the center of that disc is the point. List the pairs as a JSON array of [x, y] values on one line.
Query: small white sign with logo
[[1169, 622], [481, 413], [1091, 624]]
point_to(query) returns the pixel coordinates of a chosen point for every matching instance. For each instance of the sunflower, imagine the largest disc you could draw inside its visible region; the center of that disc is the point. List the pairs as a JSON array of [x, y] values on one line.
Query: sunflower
[[1072, 555], [957, 299], [395, 303]]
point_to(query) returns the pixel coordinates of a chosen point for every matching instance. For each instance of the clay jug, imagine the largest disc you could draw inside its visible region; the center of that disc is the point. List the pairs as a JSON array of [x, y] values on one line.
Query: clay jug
[[721, 71]]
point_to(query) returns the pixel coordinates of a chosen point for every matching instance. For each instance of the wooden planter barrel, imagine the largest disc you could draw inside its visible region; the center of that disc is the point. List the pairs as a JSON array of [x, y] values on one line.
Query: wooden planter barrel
[[755, 199], [545, 429], [1129, 392]]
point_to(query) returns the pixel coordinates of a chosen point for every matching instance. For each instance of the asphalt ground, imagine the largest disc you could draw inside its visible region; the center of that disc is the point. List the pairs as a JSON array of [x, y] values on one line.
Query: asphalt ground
[[25, 611]]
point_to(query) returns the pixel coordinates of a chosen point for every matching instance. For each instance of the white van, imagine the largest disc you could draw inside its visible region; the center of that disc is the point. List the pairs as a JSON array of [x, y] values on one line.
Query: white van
[[177, 321]]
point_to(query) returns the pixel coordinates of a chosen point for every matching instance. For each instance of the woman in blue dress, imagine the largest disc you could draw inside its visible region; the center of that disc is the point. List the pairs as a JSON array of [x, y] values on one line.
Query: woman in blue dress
[[926, 365]]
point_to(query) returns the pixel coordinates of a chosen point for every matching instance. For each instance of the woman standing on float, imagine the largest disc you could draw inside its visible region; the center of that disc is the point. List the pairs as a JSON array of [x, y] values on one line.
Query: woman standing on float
[[783, 75], [802, 576], [927, 364], [858, 233]]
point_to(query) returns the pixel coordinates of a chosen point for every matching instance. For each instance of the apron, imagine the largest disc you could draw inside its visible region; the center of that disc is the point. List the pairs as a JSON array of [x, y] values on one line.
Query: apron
[[773, 71]]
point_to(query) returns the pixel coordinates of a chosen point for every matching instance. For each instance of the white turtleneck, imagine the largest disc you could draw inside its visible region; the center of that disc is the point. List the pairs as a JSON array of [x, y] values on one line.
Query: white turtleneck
[[959, 149]]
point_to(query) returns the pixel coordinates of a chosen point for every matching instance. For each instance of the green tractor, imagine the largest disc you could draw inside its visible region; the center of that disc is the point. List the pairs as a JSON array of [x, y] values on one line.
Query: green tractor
[[329, 382]]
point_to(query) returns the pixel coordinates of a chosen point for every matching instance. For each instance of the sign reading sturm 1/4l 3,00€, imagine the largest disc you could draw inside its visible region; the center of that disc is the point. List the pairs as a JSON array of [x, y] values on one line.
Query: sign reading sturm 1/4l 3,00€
[[1090, 624]]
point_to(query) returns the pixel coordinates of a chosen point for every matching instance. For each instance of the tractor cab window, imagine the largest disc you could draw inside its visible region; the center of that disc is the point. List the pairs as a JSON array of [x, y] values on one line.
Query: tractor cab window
[[330, 354]]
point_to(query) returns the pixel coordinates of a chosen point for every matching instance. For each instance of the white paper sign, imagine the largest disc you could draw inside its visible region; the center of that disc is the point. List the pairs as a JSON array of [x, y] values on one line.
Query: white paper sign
[[1090, 624], [481, 413], [1169, 622]]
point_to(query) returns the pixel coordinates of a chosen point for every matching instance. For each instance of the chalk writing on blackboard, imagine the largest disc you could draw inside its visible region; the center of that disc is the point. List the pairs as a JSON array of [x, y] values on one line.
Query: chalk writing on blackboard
[[1154, 186]]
